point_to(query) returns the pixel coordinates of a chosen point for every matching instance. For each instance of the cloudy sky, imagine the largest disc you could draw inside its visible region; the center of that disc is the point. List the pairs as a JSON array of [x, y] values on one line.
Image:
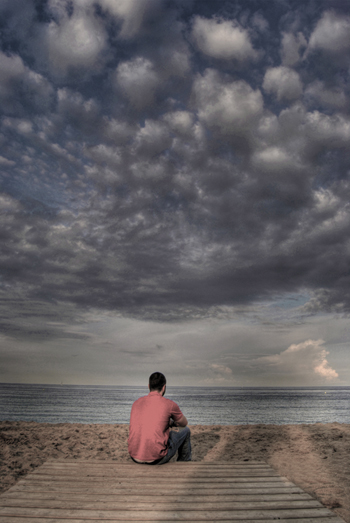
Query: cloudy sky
[[175, 191]]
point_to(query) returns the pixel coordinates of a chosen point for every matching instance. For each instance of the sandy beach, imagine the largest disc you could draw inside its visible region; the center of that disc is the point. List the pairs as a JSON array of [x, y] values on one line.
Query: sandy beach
[[315, 457]]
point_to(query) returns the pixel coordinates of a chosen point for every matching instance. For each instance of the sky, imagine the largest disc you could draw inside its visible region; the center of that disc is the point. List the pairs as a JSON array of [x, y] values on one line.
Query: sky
[[175, 192]]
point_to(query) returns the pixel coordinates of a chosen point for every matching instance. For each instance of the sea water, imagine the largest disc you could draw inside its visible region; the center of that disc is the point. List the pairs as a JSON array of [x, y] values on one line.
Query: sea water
[[201, 405]]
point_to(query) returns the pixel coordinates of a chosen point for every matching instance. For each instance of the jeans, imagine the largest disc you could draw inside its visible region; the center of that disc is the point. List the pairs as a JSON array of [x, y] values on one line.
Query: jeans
[[178, 441]]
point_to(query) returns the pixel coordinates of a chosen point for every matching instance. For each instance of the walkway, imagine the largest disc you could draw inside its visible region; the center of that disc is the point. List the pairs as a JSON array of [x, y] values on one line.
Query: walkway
[[86, 491]]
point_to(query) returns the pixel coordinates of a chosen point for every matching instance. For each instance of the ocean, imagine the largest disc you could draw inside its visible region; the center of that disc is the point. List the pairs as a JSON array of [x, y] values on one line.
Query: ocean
[[201, 405]]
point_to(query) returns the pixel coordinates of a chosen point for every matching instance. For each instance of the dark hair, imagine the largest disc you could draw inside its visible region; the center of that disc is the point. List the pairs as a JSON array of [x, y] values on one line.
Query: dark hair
[[157, 381]]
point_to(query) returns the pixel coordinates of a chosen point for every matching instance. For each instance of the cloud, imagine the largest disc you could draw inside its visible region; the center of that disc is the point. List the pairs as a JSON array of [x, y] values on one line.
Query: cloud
[[138, 81], [81, 113], [180, 122], [222, 39], [291, 47], [74, 41], [330, 131], [260, 22], [12, 67], [21, 88], [218, 375], [4, 162], [284, 82], [301, 360], [151, 139], [133, 13], [220, 369], [331, 34], [334, 96], [273, 159], [231, 107]]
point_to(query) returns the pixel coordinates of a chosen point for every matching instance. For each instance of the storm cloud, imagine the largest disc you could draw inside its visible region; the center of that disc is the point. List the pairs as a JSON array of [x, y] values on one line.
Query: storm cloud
[[174, 162]]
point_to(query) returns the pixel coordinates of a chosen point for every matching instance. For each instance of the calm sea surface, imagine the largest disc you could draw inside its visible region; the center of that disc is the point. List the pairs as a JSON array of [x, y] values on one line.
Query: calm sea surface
[[204, 406]]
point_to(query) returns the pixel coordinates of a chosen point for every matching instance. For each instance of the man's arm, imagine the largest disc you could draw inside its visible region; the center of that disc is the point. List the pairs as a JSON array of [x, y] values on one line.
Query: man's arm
[[182, 422]]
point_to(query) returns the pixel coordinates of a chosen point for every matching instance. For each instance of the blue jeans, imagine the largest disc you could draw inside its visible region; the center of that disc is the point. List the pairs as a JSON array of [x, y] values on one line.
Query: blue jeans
[[178, 441]]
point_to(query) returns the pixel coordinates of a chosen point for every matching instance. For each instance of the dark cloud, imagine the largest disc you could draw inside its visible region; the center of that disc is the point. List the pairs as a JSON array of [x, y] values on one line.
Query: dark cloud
[[145, 173]]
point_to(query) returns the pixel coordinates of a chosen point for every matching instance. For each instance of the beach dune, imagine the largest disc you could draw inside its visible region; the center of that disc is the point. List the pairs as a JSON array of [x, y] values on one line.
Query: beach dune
[[315, 457]]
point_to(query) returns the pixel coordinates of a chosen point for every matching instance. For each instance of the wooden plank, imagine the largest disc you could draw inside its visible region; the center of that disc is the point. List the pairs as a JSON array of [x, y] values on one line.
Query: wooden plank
[[134, 467], [174, 475], [153, 504], [104, 462], [74, 520], [124, 486], [185, 478], [137, 498], [172, 464], [62, 489], [144, 470], [168, 487], [174, 479], [177, 515], [38, 478]]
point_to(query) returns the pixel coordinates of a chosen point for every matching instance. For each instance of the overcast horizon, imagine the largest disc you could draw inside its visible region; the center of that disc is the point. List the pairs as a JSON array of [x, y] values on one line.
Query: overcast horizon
[[175, 187], [181, 387]]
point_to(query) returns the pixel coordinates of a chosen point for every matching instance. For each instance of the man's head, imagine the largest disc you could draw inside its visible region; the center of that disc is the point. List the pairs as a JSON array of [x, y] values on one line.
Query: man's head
[[157, 381]]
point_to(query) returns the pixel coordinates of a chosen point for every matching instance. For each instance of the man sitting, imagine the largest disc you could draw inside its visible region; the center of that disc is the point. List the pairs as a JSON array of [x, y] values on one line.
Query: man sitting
[[150, 440]]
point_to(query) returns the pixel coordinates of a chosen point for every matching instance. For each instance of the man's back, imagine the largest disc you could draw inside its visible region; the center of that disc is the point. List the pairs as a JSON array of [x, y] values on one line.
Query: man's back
[[149, 426]]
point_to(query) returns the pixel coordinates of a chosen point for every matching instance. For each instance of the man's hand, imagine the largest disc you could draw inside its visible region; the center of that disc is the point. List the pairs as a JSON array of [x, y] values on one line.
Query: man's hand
[[181, 423]]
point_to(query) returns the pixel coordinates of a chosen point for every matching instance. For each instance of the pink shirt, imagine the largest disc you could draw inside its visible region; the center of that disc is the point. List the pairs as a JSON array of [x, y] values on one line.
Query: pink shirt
[[149, 426]]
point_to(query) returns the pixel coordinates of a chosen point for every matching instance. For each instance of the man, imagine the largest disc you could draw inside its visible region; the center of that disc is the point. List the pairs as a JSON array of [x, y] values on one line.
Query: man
[[150, 440]]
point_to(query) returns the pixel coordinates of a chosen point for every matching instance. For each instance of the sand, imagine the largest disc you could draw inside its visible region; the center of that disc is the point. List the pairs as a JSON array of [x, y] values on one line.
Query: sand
[[315, 457]]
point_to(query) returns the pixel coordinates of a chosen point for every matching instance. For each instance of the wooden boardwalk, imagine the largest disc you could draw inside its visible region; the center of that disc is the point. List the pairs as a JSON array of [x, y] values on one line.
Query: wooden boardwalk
[[85, 491]]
